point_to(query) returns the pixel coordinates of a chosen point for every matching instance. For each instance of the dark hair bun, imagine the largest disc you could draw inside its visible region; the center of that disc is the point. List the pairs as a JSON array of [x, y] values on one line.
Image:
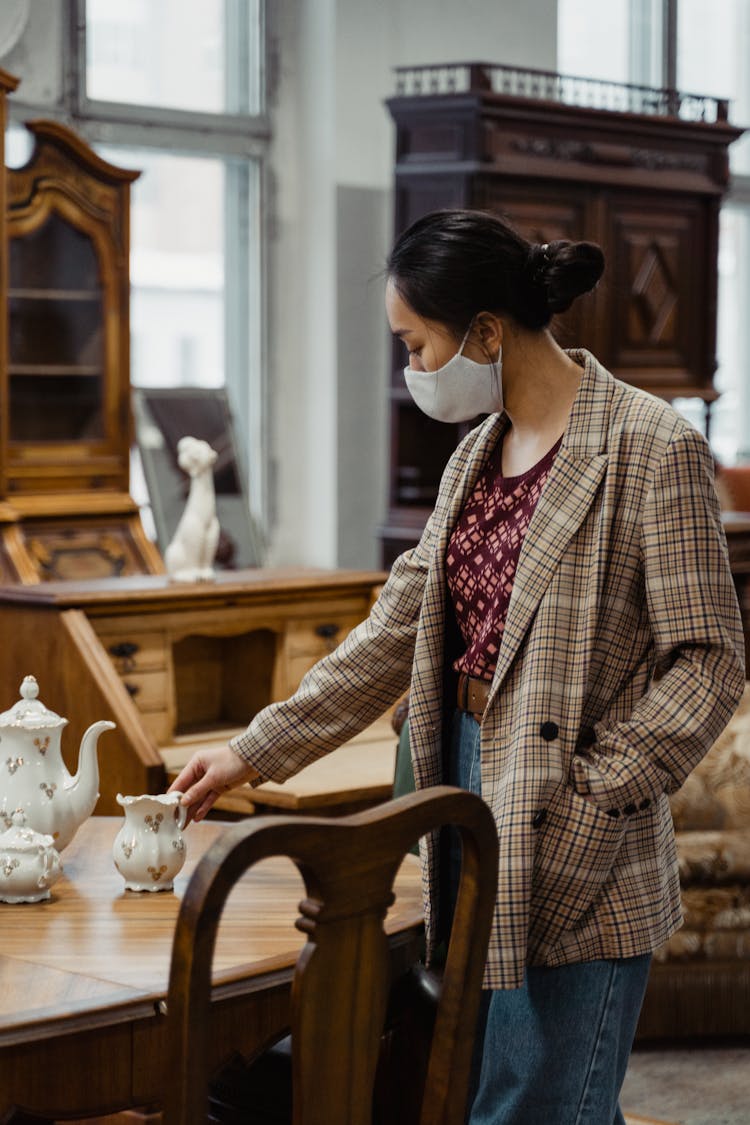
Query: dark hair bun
[[572, 268], [450, 265]]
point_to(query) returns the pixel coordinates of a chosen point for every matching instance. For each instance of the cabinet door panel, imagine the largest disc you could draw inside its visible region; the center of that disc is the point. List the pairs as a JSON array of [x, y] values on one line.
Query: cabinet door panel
[[657, 326]]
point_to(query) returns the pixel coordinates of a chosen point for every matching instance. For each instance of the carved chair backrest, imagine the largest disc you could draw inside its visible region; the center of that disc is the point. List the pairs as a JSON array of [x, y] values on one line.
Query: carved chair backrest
[[342, 976]]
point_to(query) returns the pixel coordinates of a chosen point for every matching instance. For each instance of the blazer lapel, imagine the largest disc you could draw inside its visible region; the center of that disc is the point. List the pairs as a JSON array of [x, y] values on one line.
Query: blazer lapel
[[565, 501]]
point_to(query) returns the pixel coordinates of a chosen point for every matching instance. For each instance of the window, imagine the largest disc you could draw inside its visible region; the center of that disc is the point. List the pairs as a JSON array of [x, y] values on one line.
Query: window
[[592, 39], [709, 44], [198, 55], [177, 267], [175, 89], [713, 41], [619, 41]]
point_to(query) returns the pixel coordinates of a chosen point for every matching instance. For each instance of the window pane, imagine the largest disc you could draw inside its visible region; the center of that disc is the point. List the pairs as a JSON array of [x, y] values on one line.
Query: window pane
[[593, 39], [200, 55], [176, 268], [728, 434], [713, 44]]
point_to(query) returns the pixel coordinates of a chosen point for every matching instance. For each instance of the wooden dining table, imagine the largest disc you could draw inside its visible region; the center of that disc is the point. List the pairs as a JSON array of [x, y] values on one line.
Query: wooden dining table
[[84, 975]]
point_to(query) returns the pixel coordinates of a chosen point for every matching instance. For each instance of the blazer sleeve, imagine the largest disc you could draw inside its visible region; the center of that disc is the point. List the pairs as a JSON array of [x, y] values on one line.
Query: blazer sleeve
[[698, 641], [352, 686]]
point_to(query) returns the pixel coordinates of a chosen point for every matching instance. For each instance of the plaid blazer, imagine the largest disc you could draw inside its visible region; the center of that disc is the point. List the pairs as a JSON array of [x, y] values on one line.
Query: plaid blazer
[[621, 661]]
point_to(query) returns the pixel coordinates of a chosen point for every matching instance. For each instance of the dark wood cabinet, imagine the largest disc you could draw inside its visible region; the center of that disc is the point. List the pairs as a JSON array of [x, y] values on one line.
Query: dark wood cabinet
[[641, 172]]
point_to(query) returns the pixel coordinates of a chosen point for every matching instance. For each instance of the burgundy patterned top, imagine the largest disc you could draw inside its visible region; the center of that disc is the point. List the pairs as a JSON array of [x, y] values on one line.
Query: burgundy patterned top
[[483, 554]]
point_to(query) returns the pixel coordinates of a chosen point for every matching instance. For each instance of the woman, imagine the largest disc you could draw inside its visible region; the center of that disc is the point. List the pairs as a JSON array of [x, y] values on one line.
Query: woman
[[587, 654]]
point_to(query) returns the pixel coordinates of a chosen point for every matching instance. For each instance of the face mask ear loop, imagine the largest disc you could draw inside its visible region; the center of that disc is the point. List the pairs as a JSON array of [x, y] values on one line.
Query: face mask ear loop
[[497, 367], [466, 336]]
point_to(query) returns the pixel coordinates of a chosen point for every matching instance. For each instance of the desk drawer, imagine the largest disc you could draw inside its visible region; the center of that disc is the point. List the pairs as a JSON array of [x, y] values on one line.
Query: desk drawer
[[149, 690], [316, 638], [140, 652]]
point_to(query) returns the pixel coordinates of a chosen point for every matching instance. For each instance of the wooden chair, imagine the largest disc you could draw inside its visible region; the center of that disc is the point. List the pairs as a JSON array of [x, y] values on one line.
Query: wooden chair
[[341, 980]]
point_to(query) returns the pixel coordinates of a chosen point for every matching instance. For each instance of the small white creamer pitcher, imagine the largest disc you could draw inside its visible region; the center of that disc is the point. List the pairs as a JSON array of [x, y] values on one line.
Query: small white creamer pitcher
[[149, 849]]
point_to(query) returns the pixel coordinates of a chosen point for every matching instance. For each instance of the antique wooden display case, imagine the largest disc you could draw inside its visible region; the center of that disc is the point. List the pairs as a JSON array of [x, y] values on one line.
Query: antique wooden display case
[[639, 171], [65, 423]]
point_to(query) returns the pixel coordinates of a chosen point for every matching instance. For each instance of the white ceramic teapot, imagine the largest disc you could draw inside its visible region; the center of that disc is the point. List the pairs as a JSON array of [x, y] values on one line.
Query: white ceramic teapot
[[33, 776], [29, 864], [149, 849]]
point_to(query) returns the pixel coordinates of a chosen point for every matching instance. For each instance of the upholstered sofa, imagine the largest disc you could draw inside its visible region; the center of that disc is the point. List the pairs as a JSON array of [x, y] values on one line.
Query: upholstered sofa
[[700, 979]]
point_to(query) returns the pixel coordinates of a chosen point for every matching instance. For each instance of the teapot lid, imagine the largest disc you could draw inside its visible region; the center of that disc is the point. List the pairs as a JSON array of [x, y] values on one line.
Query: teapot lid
[[30, 713], [22, 837]]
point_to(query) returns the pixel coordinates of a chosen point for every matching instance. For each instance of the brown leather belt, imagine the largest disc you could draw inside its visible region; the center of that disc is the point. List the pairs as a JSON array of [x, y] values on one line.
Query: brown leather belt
[[472, 695]]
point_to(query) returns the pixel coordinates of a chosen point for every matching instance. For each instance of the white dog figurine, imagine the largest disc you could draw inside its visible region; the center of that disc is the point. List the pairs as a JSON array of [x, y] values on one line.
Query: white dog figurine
[[190, 555]]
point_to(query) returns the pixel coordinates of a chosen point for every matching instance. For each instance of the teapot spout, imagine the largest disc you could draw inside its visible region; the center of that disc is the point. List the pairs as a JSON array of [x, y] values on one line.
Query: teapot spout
[[84, 787]]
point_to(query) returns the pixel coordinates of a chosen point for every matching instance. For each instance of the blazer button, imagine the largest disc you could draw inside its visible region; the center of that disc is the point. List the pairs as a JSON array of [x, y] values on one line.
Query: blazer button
[[629, 810], [549, 731], [539, 818], [645, 803], [614, 813]]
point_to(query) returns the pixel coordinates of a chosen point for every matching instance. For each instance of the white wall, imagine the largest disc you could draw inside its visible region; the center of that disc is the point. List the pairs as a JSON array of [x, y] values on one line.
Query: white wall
[[333, 168]]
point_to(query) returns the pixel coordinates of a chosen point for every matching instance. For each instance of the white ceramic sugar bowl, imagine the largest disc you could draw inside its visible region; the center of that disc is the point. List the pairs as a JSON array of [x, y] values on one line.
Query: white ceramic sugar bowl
[[29, 863], [149, 849]]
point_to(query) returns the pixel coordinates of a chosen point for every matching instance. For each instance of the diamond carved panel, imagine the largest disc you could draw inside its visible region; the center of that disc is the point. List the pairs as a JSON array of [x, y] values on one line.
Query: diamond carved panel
[[654, 292], [661, 306]]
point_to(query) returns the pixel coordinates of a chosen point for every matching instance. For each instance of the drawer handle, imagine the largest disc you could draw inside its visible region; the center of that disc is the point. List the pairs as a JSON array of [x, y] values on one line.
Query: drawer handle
[[328, 632], [132, 689], [125, 651]]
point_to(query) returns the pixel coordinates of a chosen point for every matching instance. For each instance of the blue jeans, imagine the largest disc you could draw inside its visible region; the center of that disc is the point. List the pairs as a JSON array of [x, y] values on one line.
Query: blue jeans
[[555, 1051]]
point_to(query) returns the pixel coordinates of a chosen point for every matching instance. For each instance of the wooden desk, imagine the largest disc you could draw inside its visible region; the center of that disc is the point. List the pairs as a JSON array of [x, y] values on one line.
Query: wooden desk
[[170, 662], [83, 977]]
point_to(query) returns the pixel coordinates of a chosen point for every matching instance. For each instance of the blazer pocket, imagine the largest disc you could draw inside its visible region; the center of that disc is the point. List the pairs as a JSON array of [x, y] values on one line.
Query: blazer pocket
[[575, 851]]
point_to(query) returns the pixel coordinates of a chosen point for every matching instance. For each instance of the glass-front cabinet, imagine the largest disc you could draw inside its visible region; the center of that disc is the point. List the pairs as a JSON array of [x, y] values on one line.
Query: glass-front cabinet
[[65, 421], [56, 312], [67, 385]]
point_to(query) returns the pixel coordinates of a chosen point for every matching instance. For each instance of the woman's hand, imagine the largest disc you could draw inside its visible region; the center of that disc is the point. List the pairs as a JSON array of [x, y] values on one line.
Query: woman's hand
[[208, 774]]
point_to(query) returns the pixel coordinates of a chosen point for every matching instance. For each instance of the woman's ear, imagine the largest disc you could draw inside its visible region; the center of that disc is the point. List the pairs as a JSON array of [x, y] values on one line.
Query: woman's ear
[[488, 330]]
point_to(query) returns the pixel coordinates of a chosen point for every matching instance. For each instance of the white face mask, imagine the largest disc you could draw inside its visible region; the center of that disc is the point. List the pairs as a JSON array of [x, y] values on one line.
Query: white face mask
[[460, 389]]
